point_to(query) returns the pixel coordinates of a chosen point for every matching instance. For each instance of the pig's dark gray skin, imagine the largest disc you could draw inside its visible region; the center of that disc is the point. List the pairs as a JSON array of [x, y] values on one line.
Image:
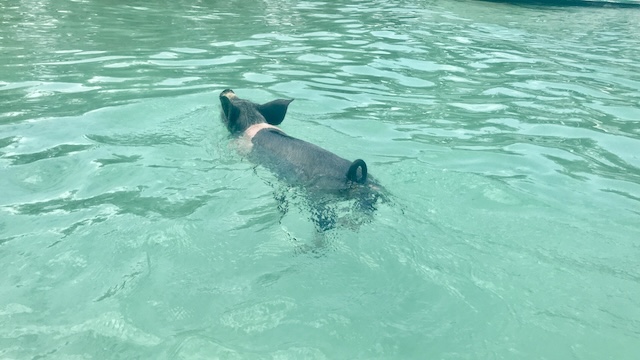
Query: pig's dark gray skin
[[295, 161]]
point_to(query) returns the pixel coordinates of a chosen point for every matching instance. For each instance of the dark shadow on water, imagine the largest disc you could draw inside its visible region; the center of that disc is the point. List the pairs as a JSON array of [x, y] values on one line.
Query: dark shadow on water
[[330, 211]]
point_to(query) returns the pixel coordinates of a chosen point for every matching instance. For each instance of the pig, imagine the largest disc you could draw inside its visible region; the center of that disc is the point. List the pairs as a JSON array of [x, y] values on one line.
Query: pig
[[299, 163]]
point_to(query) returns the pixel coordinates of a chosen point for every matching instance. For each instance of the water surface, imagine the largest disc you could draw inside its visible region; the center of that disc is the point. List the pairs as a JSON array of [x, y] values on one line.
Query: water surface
[[508, 138]]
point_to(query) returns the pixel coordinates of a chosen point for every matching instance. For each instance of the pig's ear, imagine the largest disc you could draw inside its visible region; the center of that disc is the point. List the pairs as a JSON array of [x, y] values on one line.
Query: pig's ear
[[228, 109], [274, 111]]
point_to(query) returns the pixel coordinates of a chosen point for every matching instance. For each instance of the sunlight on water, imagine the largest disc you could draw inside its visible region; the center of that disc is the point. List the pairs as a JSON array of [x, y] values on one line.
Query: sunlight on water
[[507, 137]]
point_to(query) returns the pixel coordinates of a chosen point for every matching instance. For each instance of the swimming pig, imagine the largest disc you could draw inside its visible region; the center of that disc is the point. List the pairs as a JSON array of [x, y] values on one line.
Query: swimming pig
[[295, 161]]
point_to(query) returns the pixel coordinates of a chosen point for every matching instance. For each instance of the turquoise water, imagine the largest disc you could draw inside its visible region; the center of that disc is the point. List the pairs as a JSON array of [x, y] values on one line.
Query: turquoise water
[[507, 136]]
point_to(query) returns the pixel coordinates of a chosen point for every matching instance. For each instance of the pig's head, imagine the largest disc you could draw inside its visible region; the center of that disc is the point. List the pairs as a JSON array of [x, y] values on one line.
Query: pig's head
[[239, 114]]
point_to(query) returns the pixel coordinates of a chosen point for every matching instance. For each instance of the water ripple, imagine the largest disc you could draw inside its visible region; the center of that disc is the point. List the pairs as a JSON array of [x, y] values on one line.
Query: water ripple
[[508, 135], [56, 151], [127, 202]]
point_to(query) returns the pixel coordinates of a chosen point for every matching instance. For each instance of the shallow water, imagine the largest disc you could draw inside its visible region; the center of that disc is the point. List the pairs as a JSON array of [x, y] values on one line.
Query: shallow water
[[508, 138]]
